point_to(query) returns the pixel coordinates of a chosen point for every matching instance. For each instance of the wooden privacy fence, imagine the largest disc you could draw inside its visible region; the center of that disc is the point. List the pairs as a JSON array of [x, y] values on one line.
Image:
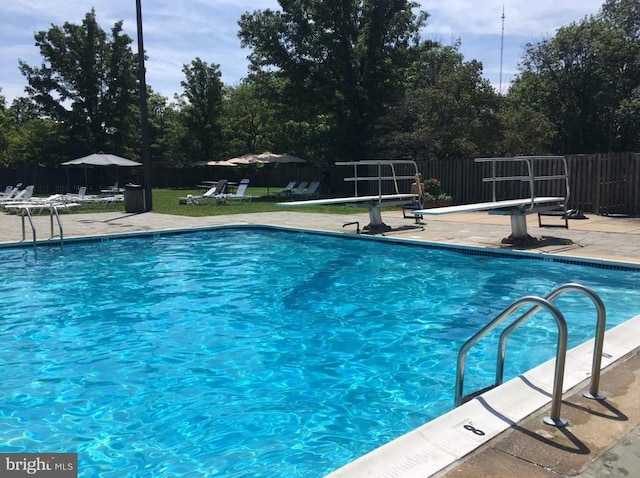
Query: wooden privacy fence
[[605, 184], [600, 183]]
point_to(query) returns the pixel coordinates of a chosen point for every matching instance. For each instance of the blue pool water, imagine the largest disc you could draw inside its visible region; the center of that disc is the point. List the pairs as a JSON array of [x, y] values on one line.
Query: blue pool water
[[251, 352]]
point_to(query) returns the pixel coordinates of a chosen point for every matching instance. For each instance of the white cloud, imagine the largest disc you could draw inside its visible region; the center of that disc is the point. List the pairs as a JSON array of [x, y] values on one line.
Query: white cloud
[[176, 32]]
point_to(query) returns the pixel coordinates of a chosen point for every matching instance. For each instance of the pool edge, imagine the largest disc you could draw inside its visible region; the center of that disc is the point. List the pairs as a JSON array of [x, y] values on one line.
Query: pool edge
[[444, 441]]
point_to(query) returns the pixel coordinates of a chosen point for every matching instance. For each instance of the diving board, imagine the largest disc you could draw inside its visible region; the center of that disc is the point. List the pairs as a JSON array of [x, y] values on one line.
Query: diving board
[[386, 176], [518, 209], [521, 205]]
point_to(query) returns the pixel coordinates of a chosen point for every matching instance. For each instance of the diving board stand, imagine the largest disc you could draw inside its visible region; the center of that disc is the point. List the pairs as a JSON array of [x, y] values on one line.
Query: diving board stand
[[385, 178], [519, 208]]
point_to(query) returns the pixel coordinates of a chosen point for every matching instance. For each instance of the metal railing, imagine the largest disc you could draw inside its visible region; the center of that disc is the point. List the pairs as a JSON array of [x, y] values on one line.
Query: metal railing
[[561, 348], [599, 337]]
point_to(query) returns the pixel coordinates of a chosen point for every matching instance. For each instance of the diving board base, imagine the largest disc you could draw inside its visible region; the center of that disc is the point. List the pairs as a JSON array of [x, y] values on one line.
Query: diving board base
[[376, 225]]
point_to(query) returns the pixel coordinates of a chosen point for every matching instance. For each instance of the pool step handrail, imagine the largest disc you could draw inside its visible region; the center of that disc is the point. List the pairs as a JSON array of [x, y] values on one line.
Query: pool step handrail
[[33, 228], [598, 341], [561, 348], [53, 210], [561, 352]]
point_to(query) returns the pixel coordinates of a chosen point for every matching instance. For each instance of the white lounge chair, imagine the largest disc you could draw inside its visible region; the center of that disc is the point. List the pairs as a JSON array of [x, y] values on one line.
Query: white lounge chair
[[300, 188], [213, 193], [21, 195], [240, 194], [11, 191]]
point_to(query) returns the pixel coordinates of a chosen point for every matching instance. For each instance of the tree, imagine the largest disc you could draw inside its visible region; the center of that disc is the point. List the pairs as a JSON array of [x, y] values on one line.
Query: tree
[[87, 81], [448, 110], [4, 129], [248, 115], [341, 61], [38, 142], [201, 108], [585, 80], [523, 130]]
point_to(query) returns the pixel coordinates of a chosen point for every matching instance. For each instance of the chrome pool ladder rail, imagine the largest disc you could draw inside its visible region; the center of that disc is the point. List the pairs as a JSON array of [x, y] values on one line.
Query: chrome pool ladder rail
[[561, 351], [33, 228], [53, 210], [561, 348], [598, 341]]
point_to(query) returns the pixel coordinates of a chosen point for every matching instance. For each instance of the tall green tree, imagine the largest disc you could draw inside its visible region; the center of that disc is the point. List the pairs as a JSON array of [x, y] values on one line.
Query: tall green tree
[[341, 61], [586, 81], [201, 109], [4, 129], [87, 81], [448, 110]]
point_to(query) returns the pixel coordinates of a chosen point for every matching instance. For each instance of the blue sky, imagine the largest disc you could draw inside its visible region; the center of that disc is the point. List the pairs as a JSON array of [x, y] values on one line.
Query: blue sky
[[177, 31]]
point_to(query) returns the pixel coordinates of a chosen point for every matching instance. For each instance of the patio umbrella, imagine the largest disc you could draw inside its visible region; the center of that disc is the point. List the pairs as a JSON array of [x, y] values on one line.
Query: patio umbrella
[[249, 158], [225, 163], [266, 158], [101, 159], [274, 158]]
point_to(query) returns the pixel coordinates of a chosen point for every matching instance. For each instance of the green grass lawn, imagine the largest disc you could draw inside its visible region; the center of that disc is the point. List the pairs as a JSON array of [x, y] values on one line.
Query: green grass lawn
[[166, 201]]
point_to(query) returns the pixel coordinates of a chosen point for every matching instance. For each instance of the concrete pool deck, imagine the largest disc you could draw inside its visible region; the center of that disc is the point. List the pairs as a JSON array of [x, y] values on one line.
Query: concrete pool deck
[[603, 438]]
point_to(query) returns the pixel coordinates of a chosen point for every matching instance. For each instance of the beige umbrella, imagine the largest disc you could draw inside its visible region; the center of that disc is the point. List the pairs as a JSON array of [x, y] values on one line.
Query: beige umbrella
[[224, 163], [265, 158], [273, 158], [245, 159]]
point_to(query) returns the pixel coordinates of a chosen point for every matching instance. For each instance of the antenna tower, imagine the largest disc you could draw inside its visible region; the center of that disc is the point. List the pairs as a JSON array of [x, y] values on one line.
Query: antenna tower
[[501, 49]]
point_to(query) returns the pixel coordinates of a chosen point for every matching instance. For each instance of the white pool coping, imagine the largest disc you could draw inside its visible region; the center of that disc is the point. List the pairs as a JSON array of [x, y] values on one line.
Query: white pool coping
[[443, 441]]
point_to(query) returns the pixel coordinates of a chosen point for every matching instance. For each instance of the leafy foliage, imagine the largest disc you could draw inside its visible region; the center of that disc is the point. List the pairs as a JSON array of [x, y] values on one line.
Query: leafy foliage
[[586, 80], [201, 108], [333, 80], [341, 60], [87, 81], [448, 110]]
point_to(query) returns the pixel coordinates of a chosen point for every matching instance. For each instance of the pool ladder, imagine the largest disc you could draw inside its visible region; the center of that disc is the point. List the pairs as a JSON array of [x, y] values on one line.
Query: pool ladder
[[539, 304], [53, 211]]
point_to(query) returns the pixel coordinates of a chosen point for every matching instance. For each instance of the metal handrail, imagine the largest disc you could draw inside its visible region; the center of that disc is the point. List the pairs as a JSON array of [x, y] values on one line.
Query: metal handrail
[[33, 228], [531, 178], [54, 210], [561, 351], [599, 337]]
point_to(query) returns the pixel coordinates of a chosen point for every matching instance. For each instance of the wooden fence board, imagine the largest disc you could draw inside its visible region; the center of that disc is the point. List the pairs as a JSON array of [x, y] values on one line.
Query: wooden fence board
[[599, 183]]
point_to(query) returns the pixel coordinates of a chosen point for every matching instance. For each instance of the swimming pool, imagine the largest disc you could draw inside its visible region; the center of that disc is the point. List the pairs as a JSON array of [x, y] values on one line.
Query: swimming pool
[[255, 352]]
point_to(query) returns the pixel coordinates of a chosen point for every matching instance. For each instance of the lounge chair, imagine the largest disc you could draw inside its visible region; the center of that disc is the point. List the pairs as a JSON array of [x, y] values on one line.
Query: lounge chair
[[21, 195], [38, 204], [288, 189], [11, 191], [80, 196], [240, 194], [214, 192], [300, 189], [310, 192]]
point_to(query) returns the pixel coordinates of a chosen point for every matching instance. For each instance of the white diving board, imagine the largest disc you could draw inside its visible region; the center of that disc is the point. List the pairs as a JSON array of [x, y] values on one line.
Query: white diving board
[[535, 172], [384, 198], [527, 205], [381, 175], [372, 202]]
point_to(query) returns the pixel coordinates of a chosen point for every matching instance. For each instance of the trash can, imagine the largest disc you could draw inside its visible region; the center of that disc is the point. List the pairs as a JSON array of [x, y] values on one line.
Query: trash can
[[133, 198]]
